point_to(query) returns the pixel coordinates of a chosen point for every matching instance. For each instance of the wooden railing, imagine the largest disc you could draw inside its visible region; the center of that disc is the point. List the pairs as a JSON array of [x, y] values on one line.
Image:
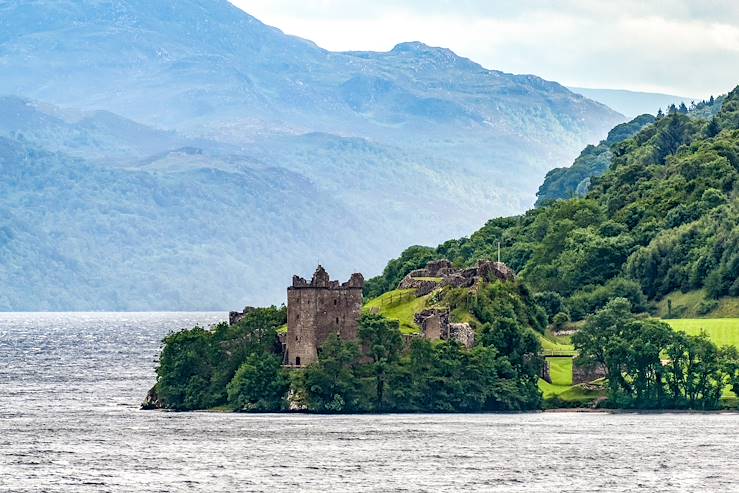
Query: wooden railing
[[397, 298], [559, 353]]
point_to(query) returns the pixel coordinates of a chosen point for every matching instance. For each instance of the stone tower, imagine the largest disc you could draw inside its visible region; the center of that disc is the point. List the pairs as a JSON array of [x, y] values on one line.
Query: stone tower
[[317, 309]]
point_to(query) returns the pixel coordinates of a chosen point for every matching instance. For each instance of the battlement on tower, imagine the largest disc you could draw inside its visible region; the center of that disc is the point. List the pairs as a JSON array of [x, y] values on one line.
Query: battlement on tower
[[321, 280]]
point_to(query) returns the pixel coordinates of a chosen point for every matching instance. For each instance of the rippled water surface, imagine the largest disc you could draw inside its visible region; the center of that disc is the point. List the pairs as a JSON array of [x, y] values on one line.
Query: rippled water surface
[[70, 386]]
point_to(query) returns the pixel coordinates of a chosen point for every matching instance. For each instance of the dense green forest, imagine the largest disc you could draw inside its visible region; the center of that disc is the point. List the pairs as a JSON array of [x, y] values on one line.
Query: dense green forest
[[594, 160], [663, 218]]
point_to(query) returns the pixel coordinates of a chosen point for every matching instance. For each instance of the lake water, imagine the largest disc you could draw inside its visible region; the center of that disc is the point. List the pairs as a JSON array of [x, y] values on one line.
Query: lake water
[[71, 384]]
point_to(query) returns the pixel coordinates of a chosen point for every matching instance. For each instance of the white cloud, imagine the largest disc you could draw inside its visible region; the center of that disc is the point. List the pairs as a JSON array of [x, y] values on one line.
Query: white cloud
[[685, 47]]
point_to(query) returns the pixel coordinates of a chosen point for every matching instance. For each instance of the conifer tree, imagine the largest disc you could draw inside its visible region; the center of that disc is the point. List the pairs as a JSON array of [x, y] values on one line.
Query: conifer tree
[[713, 128]]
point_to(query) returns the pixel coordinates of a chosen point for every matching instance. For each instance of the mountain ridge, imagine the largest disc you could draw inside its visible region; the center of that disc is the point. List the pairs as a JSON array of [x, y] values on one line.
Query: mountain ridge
[[633, 103], [413, 144]]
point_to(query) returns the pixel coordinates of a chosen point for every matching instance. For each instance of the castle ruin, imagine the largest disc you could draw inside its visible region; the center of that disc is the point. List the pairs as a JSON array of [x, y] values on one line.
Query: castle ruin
[[435, 326], [317, 309], [439, 273], [322, 307]]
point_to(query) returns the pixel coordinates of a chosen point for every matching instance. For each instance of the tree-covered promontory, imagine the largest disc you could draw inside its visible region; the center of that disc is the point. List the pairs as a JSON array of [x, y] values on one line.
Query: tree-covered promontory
[[238, 367], [662, 220]]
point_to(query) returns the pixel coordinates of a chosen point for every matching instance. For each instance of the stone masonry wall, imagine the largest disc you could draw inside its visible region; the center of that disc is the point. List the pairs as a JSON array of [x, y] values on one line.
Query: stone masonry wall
[[586, 374], [318, 309]]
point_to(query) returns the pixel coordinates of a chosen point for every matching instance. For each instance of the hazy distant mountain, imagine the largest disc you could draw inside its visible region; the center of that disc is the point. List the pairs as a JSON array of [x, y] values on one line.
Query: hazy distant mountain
[[633, 103], [186, 155]]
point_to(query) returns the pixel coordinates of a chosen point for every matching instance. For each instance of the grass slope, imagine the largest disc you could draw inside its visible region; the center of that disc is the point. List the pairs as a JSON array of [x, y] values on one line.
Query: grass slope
[[722, 331], [551, 346], [687, 305], [560, 369], [551, 390], [400, 305]]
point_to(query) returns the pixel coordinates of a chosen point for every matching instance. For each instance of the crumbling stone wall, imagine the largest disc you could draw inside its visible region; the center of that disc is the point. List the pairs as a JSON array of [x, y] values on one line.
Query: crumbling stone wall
[[422, 286], [586, 374], [317, 309], [432, 322], [435, 326], [439, 268], [546, 373], [490, 271], [468, 278]]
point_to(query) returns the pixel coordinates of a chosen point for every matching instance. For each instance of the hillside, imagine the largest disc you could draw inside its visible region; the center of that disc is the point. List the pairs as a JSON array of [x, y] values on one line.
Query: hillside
[[207, 64], [574, 181], [279, 152], [663, 218], [593, 161], [75, 236]]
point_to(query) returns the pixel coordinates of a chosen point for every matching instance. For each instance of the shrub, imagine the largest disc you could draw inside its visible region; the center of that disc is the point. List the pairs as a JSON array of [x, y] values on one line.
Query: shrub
[[590, 299], [707, 306], [560, 320]]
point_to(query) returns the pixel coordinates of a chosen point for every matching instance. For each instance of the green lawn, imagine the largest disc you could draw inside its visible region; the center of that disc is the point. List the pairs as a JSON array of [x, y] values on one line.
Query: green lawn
[[550, 390], [577, 395], [560, 369], [400, 305], [722, 331]]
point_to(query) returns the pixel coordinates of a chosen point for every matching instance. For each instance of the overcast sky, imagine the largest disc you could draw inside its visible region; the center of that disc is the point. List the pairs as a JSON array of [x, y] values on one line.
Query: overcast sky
[[682, 47]]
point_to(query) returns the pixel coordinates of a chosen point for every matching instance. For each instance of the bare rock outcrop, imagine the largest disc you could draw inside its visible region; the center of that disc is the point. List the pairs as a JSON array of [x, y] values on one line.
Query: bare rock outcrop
[[152, 400], [463, 333]]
